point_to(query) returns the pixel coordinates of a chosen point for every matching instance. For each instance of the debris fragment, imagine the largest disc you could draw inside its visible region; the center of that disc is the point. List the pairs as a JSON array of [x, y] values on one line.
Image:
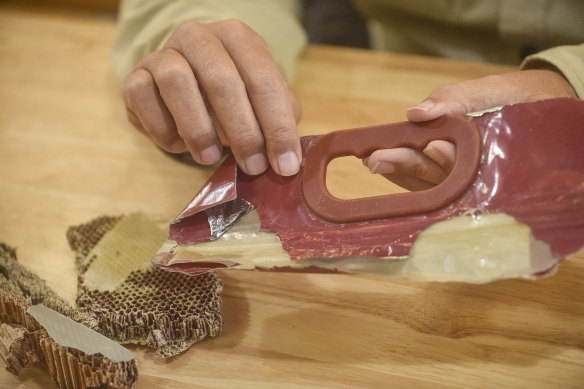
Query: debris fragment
[[25, 338], [121, 295]]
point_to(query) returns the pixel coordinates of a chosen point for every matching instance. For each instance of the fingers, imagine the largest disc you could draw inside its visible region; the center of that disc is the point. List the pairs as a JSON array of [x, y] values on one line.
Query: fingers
[[148, 113], [491, 91], [213, 85], [459, 98], [408, 168], [268, 94], [225, 91], [246, 93], [179, 90], [408, 182], [441, 152], [416, 170]]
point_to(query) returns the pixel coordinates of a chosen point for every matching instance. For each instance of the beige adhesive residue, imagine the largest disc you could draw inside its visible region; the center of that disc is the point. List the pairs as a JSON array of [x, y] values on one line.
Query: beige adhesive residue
[[466, 248], [246, 250], [133, 312], [244, 247], [476, 249], [118, 253]]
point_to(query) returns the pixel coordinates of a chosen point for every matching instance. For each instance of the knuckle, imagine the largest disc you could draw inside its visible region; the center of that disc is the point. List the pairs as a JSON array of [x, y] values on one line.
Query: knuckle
[[454, 95], [411, 163], [265, 82], [245, 139], [448, 91], [222, 81], [138, 81], [281, 133], [190, 30], [198, 138], [170, 142], [443, 90], [236, 30], [234, 27], [173, 75]]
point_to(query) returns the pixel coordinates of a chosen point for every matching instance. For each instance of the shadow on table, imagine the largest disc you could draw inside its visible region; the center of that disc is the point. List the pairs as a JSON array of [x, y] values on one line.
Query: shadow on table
[[235, 311], [32, 376]]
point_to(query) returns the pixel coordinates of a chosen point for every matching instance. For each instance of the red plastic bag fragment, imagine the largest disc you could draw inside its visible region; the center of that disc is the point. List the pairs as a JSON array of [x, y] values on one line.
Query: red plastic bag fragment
[[531, 168]]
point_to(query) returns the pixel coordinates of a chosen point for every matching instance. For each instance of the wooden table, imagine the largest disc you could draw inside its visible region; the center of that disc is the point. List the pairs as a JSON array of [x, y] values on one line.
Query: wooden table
[[68, 155]]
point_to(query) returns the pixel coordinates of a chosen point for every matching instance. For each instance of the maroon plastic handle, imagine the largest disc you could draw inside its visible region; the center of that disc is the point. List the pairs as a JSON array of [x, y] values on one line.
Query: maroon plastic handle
[[361, 142]]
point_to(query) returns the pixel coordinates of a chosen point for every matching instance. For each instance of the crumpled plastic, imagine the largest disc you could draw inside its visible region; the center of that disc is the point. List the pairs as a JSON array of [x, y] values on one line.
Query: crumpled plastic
[[529, 186]]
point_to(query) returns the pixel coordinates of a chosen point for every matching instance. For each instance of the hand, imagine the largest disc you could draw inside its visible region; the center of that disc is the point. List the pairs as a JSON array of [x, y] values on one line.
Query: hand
[[418, 170], [213, 85]]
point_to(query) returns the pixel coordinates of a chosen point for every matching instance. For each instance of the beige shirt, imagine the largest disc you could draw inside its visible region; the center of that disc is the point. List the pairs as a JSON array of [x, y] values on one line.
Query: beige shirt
[[478, 30]]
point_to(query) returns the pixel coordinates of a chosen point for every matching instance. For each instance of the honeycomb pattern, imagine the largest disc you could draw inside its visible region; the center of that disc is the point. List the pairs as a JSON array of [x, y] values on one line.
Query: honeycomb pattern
[[163, 310], [84, 237]]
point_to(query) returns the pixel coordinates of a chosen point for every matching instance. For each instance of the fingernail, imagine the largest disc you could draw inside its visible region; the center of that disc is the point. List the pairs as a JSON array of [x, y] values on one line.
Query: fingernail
[[210, 155], [288, 163], [255, 164], [383, 168], [425, 105], [436, 154], [431, 150]]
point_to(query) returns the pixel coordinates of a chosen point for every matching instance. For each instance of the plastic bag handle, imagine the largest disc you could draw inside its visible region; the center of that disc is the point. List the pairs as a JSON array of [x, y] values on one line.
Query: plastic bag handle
[[361, 142]]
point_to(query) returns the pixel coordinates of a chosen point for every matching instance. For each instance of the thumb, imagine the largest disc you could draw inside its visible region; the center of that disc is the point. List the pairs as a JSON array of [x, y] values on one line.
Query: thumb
[[434, 107], [458, 98], [491, 91]]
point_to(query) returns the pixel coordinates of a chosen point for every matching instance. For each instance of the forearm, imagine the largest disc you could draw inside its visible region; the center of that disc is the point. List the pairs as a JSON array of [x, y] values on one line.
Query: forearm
[[567, 60], [145, 26]]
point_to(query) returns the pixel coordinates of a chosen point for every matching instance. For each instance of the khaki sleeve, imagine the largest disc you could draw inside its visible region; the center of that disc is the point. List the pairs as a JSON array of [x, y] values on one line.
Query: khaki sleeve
[[568, 60], [144, 26]]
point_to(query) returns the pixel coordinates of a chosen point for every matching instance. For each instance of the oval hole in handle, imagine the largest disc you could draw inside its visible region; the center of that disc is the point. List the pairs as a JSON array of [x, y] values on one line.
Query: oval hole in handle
[[361, 142]]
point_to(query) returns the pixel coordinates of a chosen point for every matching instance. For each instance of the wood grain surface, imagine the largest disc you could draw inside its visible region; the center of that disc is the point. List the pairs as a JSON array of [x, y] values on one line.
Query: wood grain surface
[[68, 155]]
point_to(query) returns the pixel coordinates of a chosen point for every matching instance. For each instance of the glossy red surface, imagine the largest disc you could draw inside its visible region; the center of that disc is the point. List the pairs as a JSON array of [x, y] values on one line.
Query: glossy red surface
[[362, 142], [532, 168]]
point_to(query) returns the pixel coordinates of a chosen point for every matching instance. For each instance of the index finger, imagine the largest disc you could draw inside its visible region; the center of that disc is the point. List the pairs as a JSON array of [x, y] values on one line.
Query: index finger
[[268, 94], [224, 90]]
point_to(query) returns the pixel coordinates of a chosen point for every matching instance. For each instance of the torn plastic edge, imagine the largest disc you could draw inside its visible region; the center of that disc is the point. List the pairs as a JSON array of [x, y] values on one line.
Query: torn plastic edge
[[534, 108], [517, 254], [480, 113], [288, 202]]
